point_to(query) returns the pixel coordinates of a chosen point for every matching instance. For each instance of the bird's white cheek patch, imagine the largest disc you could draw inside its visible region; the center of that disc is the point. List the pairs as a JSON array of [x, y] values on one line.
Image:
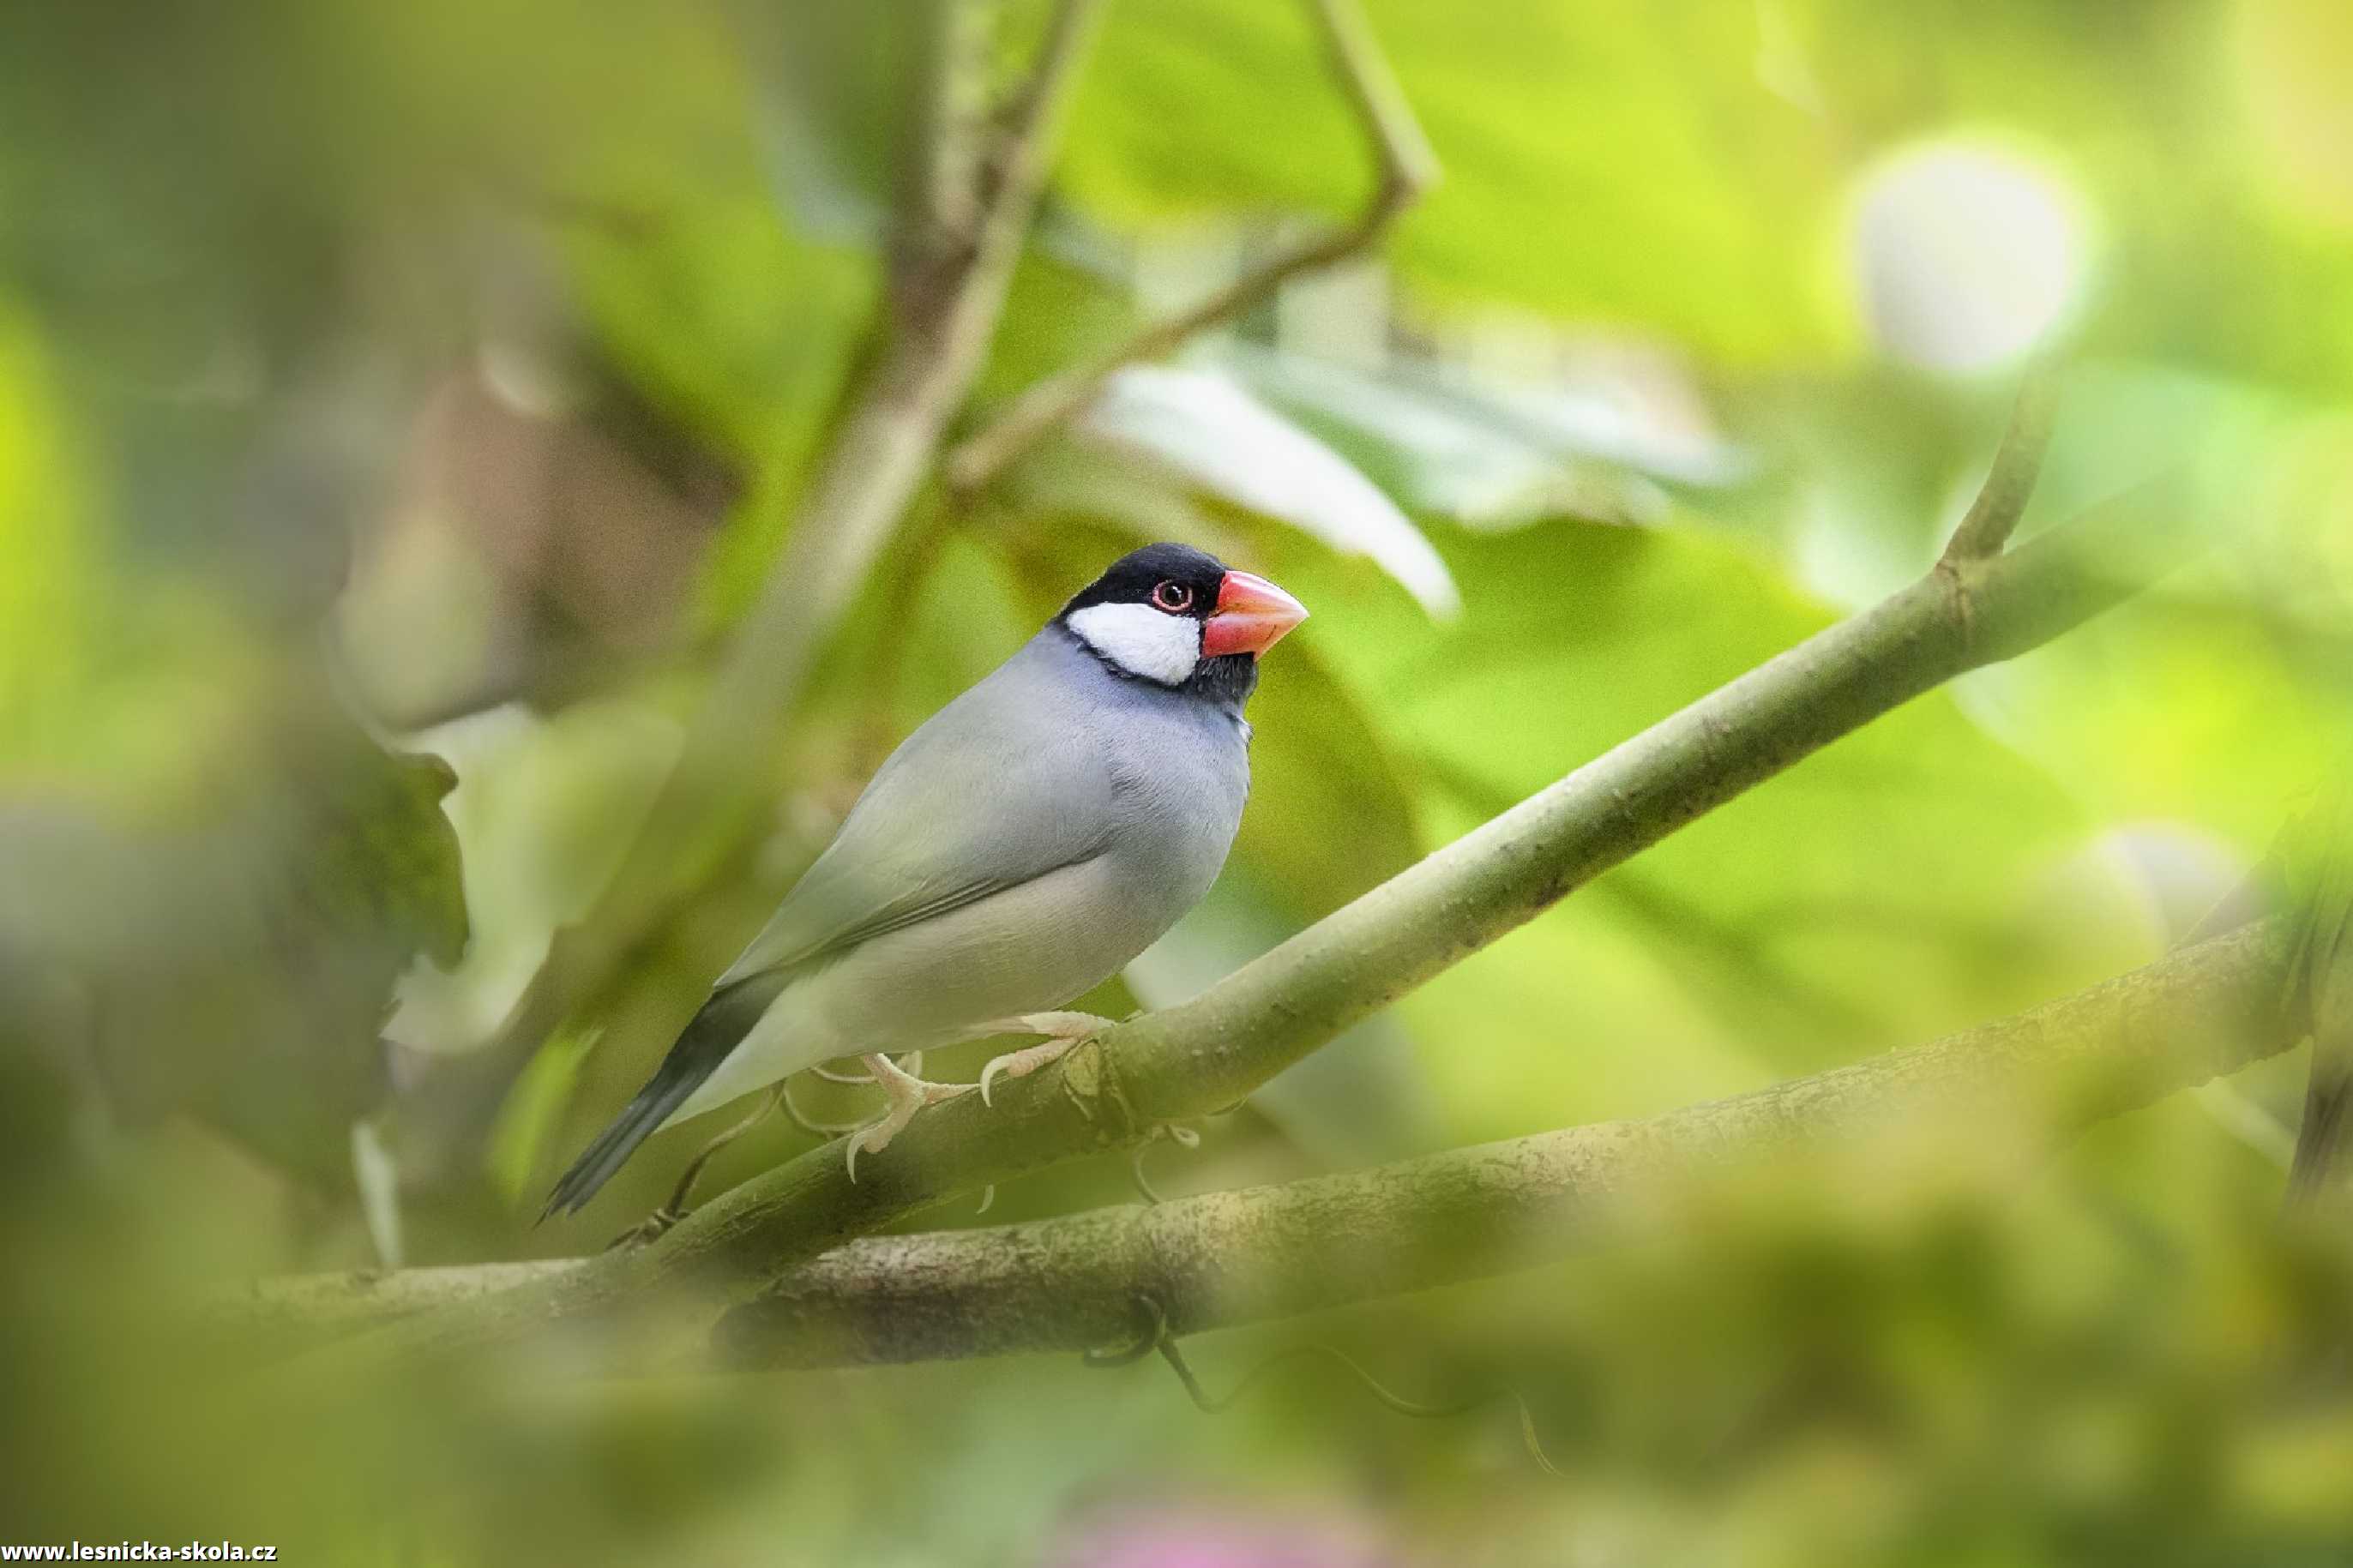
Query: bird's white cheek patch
[[1142, 641]]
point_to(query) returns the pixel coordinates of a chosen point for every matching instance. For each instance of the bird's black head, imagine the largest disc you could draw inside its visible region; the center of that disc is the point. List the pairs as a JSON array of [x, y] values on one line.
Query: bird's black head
[[1174, 616], [1174, 578]]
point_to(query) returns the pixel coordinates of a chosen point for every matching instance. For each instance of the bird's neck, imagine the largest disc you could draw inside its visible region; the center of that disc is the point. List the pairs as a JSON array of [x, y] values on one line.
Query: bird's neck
[[1226, 681]]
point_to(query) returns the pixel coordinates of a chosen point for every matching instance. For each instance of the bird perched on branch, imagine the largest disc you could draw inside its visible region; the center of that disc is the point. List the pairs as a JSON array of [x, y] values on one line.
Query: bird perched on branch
[[1019, 848]]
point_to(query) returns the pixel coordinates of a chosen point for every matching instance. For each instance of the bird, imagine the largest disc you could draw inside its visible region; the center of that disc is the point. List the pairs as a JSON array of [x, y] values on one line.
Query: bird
[[1019, 847]]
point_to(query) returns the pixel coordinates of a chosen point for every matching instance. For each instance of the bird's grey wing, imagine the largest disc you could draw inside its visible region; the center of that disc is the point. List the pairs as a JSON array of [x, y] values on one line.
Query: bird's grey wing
[[991, 792]]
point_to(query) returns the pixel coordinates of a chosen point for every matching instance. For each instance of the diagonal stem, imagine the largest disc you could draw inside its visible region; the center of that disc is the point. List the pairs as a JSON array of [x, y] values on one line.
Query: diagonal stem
[[1993, 516], [1405, 167]]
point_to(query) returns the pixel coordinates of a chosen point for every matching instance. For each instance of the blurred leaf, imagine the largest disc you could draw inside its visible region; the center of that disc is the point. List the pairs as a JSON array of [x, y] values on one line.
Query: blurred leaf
[[1478, 451], [52, 577], [1438, 459], [1202, 430], [1614, 164], [741, 328], [542, 809], [1063, 307], [397, 842], [2315, 857], [1330, 815], [533, 1114], [2319, 860], [846, 83]]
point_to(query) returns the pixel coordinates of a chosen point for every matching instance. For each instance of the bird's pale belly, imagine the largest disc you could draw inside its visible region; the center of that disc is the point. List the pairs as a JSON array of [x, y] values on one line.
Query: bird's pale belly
[[1028, 950], [1023, 951]]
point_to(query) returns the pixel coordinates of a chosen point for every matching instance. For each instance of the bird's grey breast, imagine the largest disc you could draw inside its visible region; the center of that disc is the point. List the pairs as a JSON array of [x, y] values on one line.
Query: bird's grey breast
[[1180, 775]]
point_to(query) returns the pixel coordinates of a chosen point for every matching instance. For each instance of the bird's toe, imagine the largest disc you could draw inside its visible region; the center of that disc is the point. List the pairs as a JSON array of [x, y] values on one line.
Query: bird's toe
[[1023, 1062]]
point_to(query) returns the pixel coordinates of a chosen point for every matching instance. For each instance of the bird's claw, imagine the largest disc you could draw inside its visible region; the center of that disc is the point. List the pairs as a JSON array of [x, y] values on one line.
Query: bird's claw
[[651, 1229], [1062, 1031], [1023, 1062], [908, 1095]]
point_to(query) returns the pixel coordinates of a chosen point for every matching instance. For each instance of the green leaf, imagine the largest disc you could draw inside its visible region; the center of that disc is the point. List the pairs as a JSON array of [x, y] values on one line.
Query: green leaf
[[49, 590], [845, 85], [745, 329], [1617, 163], [1329, 813], [1478, 451], [1200, 430]]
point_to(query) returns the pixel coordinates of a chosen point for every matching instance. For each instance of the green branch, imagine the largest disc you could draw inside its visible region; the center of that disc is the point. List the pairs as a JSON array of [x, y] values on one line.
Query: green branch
[[1224, 1260], [1228, 1259], [1405, 167]]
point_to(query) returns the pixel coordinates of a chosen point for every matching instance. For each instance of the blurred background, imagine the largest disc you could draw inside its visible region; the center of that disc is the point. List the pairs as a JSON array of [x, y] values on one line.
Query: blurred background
[[403, 406]]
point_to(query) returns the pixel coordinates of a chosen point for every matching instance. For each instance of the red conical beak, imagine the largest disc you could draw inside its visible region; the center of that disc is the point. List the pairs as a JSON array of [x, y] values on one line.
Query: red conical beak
[[1251, 616]]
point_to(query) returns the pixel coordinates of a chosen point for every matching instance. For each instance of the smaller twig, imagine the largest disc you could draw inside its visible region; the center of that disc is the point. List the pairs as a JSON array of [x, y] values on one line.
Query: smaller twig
[[1155, 1332], [1136, 1173], [693, 1172], [801, 1121], [1015, 165], [955, 121], [1284, 1357], [2017, 464], [1183, 1137], [657, 1224], [1157, 1337], [1407, 167]]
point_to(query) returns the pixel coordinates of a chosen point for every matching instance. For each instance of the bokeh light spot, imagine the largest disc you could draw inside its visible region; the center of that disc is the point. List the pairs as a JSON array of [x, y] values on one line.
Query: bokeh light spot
[[1966, 257]]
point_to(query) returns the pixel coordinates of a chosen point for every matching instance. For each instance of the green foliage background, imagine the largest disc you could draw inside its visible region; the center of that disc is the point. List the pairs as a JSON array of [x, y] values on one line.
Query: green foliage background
[[1629, 371]]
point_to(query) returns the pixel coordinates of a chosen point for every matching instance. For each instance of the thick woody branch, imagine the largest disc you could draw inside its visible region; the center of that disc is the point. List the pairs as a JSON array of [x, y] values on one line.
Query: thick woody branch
[[1210, 1052], [1405, 168], [1228, 1258]]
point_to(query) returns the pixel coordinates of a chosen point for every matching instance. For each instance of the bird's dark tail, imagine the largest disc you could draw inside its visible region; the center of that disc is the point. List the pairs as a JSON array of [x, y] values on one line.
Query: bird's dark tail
[[716, 1030], [2320, 1144]]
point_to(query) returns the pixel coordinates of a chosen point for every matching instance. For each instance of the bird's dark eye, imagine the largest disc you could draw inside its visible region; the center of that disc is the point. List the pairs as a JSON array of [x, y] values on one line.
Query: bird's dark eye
[[1174, 597]]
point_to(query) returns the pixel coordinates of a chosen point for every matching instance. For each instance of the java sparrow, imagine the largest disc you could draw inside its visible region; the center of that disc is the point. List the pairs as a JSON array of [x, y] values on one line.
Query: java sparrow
[[1018, 849]]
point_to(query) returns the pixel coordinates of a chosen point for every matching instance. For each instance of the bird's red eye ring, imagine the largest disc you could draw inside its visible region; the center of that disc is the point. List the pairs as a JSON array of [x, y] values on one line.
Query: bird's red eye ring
[[1174, 597]]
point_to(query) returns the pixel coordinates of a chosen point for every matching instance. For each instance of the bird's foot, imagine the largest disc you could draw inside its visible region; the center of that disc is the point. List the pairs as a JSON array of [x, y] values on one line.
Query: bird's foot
[[908, 1095], [1062, 1031], [657, 1224], [651, 1229]]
